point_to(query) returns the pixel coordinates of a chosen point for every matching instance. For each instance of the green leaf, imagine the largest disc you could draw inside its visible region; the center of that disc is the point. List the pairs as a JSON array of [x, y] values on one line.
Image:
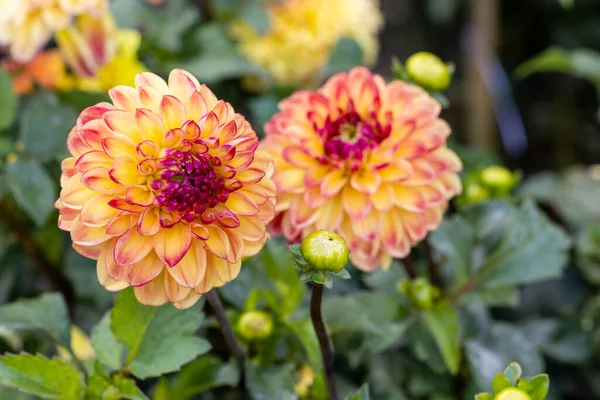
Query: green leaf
[[165, 26], [305, 332], [119, 387], [277, 260], [47, 312], [255, 13], [159, 339], [360, 394], [513, 373], [587, 250], [202, 375], [8, 99], [502, 345], [584, 63], [109, 351], [442, 322], [541, 386], [45, 125], [40, 376], [500, 382], [497, 246], [218, 58], [345, 55], [379, 326], [32, 188], [270, 383]]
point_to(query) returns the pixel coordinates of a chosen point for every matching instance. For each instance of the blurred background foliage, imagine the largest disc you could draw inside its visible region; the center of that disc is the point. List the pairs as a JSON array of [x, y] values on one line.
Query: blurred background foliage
[[519, 269]]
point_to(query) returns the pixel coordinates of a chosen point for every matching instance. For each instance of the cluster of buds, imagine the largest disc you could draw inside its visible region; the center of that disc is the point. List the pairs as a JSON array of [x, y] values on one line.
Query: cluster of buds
[[494, 182], [419, 292], [510, 386], [321, 256]]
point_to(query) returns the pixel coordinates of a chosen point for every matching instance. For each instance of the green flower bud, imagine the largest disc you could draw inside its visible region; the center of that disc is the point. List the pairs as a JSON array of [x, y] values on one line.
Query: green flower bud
[[255, 325], [429, 71], [325, 251], [420, 292], [512, 393], [498, 177], [475, 193]]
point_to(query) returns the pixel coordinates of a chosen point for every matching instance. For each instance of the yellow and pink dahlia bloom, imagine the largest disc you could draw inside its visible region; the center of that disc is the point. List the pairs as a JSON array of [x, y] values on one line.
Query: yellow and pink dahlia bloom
[[27, 25], [165, 189], [365, 159]]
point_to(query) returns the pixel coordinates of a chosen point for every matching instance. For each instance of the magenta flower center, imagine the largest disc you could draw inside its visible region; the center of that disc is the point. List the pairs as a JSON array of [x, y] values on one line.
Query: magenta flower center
[[190, 185], [349, 136]]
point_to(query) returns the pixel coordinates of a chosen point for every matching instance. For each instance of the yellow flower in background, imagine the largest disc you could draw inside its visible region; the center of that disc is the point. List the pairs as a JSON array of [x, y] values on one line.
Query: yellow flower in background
[[303, 33], [165, 189], [80, 344], [101, 55], [306, 378], [365, 159], [27, 25]]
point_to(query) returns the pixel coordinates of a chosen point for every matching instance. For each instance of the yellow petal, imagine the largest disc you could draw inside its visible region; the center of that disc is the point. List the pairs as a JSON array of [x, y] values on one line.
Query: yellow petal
[[171, 244], [131, 247]]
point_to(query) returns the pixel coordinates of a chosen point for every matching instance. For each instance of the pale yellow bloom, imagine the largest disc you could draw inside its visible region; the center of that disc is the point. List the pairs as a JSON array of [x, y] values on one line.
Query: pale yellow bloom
[[80, 345], [27, 25], [303, 33]]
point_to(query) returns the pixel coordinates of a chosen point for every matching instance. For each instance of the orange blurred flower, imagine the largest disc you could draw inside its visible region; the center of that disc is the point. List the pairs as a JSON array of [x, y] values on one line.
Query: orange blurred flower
[[365, 159], [27, 25], [165, 189], [47, 69]]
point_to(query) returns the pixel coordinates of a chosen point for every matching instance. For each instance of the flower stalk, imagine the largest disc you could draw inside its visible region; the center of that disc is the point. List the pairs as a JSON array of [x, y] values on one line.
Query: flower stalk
[[230, 340], [326, 352]]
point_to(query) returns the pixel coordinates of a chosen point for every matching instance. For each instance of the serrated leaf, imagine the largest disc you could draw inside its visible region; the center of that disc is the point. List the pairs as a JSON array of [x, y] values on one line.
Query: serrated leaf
[[541, 386], [360, 394], [442, 322], [8, 99], [32, 187], [513, 373], [47, 312], [108, 349], [45, 125], [159, 339], [40, 376], [497, 246]]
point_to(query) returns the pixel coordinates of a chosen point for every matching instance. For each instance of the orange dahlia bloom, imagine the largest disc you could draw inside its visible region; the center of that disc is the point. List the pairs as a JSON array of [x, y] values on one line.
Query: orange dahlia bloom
[[47, 69], [165, 189], [365, 159]]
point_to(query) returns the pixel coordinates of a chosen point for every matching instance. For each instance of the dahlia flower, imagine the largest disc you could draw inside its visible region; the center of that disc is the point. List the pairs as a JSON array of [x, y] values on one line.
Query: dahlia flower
[[364, 159], [101, 55], [27, 25], [303, 33], [165, 189]]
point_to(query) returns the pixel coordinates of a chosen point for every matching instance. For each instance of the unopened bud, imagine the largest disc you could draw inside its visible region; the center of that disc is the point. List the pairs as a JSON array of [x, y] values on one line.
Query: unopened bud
[[429, 71], [255, 325], [325, 251], [512, 394]]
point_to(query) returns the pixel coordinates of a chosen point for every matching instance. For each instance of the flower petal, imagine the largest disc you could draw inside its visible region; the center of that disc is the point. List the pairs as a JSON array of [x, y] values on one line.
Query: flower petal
[[171, 244], [190, 271], [131, 247]]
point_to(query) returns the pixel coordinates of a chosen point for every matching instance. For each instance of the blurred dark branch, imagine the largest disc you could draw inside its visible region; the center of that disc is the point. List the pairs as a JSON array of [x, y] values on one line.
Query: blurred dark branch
[[36, 254], [232, 343], [465, 288], [206, 9], [433, 267], [409, 267]]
